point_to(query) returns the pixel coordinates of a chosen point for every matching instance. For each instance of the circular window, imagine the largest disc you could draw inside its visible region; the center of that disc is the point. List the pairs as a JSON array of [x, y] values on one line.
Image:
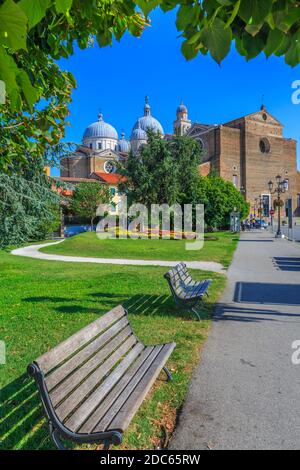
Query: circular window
[[264, 146], [109, 167]]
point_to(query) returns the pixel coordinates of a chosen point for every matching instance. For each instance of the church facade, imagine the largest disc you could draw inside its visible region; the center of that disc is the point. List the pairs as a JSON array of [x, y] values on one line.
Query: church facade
[[248, 151]]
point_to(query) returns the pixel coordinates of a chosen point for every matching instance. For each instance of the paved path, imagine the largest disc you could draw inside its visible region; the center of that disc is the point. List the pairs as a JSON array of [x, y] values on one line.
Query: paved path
[[245, 394], [32, 251]]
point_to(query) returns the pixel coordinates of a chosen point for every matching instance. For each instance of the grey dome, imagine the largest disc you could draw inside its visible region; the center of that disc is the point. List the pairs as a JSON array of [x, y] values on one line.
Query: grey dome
[[147, 121], [182, 108], [100, 129], [138, 133], [124, 145]]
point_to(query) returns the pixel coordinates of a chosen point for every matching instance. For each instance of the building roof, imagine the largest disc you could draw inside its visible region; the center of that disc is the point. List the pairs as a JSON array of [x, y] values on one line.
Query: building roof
[[69, 179], [109, 178]]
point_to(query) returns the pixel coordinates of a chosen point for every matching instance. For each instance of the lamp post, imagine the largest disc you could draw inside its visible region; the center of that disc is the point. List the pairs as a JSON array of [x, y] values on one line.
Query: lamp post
[[280, 188]]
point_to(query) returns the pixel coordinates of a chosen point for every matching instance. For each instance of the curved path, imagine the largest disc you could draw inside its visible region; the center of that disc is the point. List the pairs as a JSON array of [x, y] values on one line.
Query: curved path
[[32, 251]]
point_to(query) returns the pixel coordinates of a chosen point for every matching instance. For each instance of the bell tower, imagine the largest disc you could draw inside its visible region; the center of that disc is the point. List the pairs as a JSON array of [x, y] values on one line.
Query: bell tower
[[182, 123]]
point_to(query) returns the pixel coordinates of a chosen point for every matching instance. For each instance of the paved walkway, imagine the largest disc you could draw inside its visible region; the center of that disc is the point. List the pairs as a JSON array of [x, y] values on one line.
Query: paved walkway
[[245, 394], [32, 251]]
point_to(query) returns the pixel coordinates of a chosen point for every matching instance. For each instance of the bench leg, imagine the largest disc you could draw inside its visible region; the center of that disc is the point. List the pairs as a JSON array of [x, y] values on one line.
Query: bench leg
[[106, 445], [57, 441], [168, 373], [196, 313]]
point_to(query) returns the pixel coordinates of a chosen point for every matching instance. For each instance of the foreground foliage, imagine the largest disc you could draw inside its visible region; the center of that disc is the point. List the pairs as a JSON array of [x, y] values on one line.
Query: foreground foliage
[[269, 26], [42, 303], [35, 34]]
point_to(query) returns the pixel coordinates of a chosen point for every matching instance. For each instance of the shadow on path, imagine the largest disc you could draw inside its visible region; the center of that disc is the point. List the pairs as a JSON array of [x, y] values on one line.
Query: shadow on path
[[267, 293]]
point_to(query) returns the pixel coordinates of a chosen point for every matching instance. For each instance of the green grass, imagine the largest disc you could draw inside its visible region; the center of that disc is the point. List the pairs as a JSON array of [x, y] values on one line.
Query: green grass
[[42, 303], [87, 244]]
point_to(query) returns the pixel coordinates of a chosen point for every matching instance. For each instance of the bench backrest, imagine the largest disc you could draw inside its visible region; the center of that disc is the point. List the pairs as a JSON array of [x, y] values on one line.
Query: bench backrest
[[175, 281], [184, 274], [75, 367]]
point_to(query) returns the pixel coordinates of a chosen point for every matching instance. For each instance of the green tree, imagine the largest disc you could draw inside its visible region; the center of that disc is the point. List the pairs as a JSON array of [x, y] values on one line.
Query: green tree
[[87, 197], [164, 171], [219, 197], [151, 176], [33, 36], [29, 209], [187, 156]]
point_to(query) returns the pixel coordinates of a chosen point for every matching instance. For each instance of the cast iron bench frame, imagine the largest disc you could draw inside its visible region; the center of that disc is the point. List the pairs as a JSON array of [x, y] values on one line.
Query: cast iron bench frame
[[78, 394], [186, 292]]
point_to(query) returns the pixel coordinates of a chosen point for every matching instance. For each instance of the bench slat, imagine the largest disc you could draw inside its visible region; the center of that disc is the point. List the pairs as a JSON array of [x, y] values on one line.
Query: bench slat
[[106, 404], [67, 348], [79, 394], [55, 377], [93, 401], [124, 408], [66, 387], [128, 410]]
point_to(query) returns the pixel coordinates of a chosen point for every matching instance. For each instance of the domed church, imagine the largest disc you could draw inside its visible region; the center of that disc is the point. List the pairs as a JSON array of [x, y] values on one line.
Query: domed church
[[247, 151], [101, 146]]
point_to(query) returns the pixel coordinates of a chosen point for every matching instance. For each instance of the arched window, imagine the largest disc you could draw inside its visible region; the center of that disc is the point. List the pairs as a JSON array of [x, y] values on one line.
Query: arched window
[[201, 143]]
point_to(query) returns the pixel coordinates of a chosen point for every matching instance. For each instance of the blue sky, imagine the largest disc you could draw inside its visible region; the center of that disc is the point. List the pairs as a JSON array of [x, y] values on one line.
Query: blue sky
[[116, 80]]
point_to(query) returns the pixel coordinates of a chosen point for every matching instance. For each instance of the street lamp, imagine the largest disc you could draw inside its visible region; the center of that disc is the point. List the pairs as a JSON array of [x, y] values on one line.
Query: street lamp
[[282, 186]]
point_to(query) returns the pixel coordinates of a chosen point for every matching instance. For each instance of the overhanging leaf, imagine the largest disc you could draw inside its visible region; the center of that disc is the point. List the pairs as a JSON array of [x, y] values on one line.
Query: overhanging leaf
[[13, 25], [34, 11], [62, 6], [275, 39], [217, 39], [255, 11], [30, 93], [147, 5]]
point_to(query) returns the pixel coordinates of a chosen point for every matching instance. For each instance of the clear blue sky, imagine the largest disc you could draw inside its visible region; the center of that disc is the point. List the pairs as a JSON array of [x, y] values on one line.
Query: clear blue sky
[[116, 80]]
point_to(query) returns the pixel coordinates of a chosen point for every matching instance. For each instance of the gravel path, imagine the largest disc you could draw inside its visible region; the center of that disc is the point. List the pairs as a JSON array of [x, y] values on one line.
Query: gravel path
[[245, 393], [32, 251]]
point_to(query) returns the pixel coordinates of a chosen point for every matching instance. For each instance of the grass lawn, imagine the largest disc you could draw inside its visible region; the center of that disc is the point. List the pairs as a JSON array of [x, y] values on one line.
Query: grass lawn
[[87, 244], [44, 302]]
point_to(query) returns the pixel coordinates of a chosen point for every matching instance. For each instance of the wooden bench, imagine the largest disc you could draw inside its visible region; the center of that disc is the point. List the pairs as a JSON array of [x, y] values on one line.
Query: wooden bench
[[92, 384], [186, 292]]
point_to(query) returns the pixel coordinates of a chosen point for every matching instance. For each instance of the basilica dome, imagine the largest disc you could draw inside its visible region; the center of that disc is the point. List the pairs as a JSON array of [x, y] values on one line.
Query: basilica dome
[[147, 121], [138, 133], [182, 108], [100, 129], [123, 144]]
